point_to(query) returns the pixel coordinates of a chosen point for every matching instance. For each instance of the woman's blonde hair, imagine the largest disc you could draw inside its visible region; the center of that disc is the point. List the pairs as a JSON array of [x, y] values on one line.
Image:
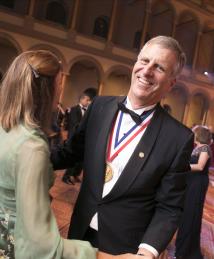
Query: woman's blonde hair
[[28, 90]]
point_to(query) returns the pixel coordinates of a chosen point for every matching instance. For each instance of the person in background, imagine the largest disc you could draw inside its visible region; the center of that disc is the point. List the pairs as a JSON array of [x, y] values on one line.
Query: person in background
[[74, 117], [135, 160], [60, 115], [54, 135], [188, 236], [28, 228]]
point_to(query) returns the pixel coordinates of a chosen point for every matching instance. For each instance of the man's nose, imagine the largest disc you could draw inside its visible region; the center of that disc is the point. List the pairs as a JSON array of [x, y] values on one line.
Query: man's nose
[[147, 70]]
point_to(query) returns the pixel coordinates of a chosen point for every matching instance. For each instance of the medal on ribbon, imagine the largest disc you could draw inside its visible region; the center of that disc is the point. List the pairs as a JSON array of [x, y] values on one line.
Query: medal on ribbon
[[121, 144], [108, 173]]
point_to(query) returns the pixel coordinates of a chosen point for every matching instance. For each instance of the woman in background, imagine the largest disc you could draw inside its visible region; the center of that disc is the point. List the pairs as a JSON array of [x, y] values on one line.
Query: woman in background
[[188, 236], [28, 227]]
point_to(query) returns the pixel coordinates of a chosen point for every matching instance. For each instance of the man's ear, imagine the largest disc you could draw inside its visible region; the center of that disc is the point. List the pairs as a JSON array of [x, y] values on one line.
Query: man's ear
[[172, 83]]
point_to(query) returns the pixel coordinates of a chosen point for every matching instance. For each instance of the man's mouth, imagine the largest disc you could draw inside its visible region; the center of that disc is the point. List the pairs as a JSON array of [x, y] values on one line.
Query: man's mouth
[[144, 81]]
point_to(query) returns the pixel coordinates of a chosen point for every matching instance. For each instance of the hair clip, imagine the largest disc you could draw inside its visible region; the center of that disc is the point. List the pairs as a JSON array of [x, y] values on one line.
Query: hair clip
[[35, 73]]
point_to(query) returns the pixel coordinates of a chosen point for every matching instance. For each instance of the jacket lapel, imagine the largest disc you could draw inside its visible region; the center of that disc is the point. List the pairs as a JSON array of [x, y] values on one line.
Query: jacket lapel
[[79, 112], [109, 112], [139, 157]]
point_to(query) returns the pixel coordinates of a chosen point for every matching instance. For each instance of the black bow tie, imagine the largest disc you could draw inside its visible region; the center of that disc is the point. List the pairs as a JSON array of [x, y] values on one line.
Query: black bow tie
[[135, 117]]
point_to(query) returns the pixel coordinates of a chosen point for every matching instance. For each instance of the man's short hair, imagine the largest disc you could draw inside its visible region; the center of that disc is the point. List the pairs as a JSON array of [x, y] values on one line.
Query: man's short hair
[[172, 44], [91, 92]]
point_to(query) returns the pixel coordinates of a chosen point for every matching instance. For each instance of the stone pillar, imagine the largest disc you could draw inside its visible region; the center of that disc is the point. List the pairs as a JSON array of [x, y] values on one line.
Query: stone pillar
[[64, 78], [186, 112], [29, 20], [112, 21], [31, 8], [100, 88], [205, 116], [75, 14], [197, 45], [175, 21], [145, 22]]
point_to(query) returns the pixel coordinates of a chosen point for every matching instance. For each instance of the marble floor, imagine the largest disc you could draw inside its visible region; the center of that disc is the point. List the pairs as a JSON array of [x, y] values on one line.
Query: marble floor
[[64, 197]]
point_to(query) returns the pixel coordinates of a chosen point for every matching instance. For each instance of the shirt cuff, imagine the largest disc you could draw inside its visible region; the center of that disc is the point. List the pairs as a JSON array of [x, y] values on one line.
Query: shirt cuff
[[150, 249]]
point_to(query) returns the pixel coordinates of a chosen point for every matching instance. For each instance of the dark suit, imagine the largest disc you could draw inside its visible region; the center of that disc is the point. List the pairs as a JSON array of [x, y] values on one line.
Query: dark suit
[[73, 119], [146, 202]]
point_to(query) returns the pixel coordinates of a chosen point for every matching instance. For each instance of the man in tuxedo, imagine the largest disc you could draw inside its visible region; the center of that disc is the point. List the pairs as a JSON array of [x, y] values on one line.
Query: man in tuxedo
[[73, 118], [136, 157]]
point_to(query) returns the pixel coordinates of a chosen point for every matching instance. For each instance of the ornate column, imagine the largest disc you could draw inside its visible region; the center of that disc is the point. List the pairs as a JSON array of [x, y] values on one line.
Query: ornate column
[[31, 8], [29, 20], [146, 21], [100, 89], [75, 14], [197, 45], [175, 21], [112, 21], [65, 76], [205, 117], [186, 112]]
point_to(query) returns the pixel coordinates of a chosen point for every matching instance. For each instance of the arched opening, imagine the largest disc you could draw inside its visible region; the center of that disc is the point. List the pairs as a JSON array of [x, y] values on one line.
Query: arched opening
[[129, 22], [93, 17], [186, 34], [8, 53], [176, 99], [205, 60], [161, 20], [198, 110], [83, 74], [117, 82]]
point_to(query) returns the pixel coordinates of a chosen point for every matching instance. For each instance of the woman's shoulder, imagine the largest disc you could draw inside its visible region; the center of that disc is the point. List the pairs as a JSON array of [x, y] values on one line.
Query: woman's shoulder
[[204, 148], [22, 137], [34, 138]]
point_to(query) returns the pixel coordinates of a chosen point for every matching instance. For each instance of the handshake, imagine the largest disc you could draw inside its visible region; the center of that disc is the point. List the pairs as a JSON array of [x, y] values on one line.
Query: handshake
[[148, 255]]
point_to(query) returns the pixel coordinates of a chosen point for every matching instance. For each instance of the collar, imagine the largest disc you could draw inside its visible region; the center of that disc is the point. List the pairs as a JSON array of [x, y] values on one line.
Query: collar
[[82, 107], [138, 111]]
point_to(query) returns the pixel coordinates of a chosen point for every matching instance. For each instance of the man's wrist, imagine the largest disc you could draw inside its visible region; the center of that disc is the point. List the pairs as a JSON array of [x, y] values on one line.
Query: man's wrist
[[142, 252], [147, 250]]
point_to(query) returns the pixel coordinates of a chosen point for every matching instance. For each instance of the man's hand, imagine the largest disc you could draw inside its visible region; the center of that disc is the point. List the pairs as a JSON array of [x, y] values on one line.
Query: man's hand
[[141, 254], [134, 256]]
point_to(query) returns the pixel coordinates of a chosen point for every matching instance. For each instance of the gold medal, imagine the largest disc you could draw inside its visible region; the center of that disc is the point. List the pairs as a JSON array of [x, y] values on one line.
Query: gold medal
[[109, 173]]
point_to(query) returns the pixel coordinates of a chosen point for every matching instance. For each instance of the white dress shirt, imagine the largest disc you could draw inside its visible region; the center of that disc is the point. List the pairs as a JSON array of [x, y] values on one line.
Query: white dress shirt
[[120, 161], [83, 109]]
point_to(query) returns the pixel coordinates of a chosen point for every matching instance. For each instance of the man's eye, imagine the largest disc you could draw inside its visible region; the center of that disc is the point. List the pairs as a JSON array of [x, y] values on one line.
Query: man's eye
[[160, 68], [144, 61]]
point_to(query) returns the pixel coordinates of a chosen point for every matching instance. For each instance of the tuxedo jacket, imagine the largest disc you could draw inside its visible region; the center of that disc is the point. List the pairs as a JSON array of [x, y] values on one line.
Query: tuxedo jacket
[[146, 202], [73, 119]]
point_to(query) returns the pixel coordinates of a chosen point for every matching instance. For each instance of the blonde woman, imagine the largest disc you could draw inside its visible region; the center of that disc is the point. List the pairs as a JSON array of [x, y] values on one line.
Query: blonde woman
[[28, 227]]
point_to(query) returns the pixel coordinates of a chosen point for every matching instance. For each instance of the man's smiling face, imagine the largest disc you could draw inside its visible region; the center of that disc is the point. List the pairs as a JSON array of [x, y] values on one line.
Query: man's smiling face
[[152, 75]]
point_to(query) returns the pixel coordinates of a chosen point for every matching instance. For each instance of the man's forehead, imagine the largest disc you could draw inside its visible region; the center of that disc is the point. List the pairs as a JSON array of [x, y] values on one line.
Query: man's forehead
[[144, 50]]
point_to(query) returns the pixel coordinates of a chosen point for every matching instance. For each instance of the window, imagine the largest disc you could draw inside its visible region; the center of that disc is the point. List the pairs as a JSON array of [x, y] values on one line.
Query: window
[[137, 40], [101, 26], [56, 13], [1, 76], [7, 3]]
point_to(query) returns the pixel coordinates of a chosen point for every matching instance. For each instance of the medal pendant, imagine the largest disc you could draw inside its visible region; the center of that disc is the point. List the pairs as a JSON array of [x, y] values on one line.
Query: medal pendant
[[109, 173]]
